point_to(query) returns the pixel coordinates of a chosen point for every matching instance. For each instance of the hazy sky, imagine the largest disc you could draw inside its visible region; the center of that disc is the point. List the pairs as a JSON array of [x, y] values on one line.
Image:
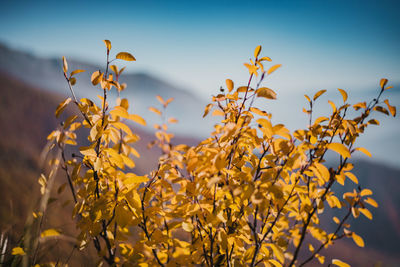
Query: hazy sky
[[198, 44]]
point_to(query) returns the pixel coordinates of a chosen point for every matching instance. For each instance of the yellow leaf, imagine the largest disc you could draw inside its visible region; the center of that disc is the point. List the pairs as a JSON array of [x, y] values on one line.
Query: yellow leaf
[[265, 59], [383, 83], [323, 170], [320, 119], [371, 201], [258, 111], [131, 178], [374, 122], [160, 99], [340, 149], [344, 94], [155, 110], [76, 72], [274, 68], [257, 51], [381, 109], [266, 92], [169, 100], [108, 44], [351, 176], [364, 150], [125, 56], [65, 64], [88, 151], [308, 98], [340, 263], [366, 213], [366, 192], [275, 263], [18, 251], [218, 112], [207, 109], [229, 84], [332, 105], [278, 253], [243, 89], [114, 69], [49, 232], [120, 111], [187, 226], [62, 106], [318, 94], [96, 77], [252, 68], [392, 109], [360, 105], [336, 220], [124, 103], [136, 118], [357, 239], [172, 120], [266, 127]]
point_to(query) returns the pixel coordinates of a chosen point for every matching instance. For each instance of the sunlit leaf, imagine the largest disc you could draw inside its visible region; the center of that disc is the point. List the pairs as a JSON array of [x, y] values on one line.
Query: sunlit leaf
[[62, 106], [357, 239], [65, 64], [371, 202], [340, 263], [172, 120], [274, 68], [76, 72], [136, 118], [207, 109], [131, 178], [108, 44], [352, 177], [366, 192], [229, 84], [114, 69], [366, 213], [266, 93], [364, 150], [265, 59], [155, 110], [340, 149], [49, 233], [381, 109], [318, 94], [96, 77], [392, 109], [125, 56], [18, 251], [187, 226], [344, 94], [257, 51], [275, 263]]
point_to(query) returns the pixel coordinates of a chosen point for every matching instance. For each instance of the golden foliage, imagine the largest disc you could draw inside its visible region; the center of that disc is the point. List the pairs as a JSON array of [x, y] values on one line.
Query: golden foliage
[[248, 194]]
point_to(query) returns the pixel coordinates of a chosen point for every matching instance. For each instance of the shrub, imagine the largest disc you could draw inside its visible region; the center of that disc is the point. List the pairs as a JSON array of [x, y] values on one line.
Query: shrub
[[253, 193]]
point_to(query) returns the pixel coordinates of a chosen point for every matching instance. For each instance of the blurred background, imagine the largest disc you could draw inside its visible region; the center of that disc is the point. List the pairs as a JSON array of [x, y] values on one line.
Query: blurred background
[[186, 50]]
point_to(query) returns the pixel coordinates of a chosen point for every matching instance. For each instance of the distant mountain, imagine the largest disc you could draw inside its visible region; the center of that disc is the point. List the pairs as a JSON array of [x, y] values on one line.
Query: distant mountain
[[141, 91]]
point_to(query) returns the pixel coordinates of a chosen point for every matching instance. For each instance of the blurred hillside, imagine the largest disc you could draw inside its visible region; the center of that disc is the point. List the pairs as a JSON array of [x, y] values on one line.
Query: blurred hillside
[[141, 91]]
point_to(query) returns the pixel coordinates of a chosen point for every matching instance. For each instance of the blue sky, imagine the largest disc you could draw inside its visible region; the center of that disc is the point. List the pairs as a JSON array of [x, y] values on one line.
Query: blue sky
[[198, 44]]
